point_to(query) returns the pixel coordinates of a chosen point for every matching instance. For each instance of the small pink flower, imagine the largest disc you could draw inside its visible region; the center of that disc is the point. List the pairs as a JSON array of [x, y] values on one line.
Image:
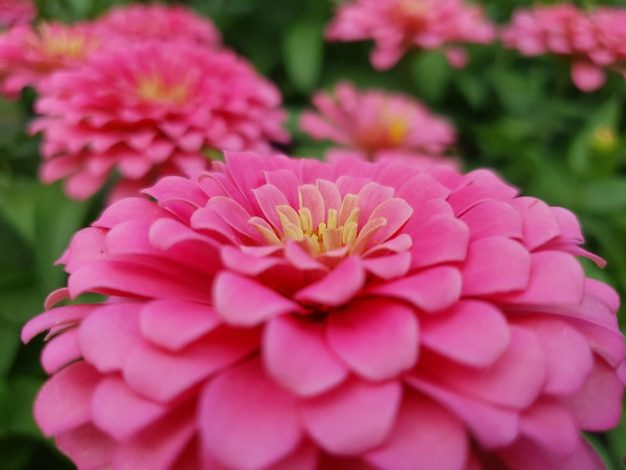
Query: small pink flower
[[137, 22], [14, 12], [150, 110], [376, 124], [398, 25], [29, 54], [593, 41], [292, 314]]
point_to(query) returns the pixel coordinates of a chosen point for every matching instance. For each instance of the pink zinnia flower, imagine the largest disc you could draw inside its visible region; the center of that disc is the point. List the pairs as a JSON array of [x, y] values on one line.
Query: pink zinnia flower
[[280, 314], [14, 12], [593, 41], [138, 22], [151, 110], [376, 124], [398, 25], [31, 53]]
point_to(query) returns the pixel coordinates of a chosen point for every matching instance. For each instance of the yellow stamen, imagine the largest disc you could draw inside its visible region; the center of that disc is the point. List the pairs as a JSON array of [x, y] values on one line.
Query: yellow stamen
[[152, 88]]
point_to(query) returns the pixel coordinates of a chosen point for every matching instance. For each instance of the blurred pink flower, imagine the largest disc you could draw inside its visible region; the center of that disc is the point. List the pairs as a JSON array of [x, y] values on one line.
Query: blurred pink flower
[[593, 41], [137, 22], [14, 12], [277, 313], [31, 53], [398, 25], [148, 111], [376, 124]]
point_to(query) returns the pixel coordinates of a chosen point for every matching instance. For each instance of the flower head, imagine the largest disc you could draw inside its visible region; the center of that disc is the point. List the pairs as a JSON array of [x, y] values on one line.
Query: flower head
[[398, 25], [593, 41], [280, 313], [30, 53], [376, 124], [151, 110], [14, 12], [137, 22]]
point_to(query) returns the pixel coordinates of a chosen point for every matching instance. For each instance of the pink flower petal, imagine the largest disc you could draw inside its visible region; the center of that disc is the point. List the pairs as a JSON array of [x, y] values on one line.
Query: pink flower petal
[[108, 334], [337, 287], [174, 325], [352, 418], [430, 290], [244, 409], [493, 218], [495, 265], [119, 411], [596, 406], [514, 380], [377, 338], [87, 446], [388, 267], [550, 424], [424, 436], [257, 305], [471, 332], [587, 77], [67, 315], [60, 351], [145, 365], [296, 355], [64, 401], [305, 457]]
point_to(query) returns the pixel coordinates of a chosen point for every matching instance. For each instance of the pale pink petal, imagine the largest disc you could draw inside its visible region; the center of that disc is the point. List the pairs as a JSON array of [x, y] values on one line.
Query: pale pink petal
[[377, 338], [352, 418], [424, 436], [430, 290], [243, 409], [337, 287], [471, 332], [257, 305], [64, 401]]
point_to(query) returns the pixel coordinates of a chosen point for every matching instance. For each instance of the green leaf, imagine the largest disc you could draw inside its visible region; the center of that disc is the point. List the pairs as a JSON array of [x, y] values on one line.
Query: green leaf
[[431, 75], [617, 437], [9, 345], [604, 196], [20, 304], [472, 89], [303, 49], [22, 392], [601, 450]]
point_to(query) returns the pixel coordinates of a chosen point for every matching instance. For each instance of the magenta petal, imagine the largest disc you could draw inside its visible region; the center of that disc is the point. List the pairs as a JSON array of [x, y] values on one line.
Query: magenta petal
[[471, 332], [60, 316], [296, 355], [108, 334], [248, 264], [424, 436], [119, 411], [491, 425], [388, 267], [514, 380], [597, 405], [173, 325], [131, 209], [352, 418], [246, 420], [493, 218], [244, 302], [60, 351], [146, 366], [159, 445], [377, 338], [337, 287], [568, 356], [587, 76], [87, 446], [305, 457], [550, 424], [495, 265], [540, 225], [430, 290], [555, 278], [525, 454], [64, 401]]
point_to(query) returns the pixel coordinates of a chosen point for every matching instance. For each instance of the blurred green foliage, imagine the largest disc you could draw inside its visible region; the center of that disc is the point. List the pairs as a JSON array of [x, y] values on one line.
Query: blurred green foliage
[[521, 116]]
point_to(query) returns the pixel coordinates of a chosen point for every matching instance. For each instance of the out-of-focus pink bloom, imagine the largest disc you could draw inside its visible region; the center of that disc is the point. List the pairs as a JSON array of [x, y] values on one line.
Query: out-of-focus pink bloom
[[375, 124], [593, 41], [28, 53], [277, 313], [151, 110], [138, 22], [398, 25], [14, 12]]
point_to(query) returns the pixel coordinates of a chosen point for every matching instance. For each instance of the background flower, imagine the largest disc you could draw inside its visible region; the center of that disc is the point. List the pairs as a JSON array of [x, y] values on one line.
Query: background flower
[[374, 124], [157, 108], [319, 315], [593, 41], [398, 25], [14, 12]]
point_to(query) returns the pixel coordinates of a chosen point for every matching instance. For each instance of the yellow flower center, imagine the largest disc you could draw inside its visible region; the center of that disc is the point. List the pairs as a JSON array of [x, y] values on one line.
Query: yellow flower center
[[72, 45], [153, 89], [414, 8]]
